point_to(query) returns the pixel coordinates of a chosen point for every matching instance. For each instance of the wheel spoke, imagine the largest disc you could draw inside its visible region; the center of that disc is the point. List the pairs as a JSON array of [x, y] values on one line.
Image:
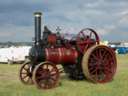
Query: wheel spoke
[[97, 54], [107, 56], [96, 76], [40, 77], [93, 71], [91, 68], [28, 80], [53, 79], [52, 70], [90, 34], [40, 72], [83, 34], [25, 77], [26, 69], [23, 72], [104, 53], [47, 66], [52, 74], [108, 70], [100, 54], [94, 56]]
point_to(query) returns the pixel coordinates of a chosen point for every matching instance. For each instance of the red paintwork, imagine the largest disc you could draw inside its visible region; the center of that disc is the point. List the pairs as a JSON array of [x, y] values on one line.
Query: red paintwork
[[61, 55]]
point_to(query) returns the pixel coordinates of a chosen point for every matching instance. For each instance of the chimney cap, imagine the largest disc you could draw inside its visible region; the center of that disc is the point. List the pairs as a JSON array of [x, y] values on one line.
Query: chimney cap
[[37, 14]]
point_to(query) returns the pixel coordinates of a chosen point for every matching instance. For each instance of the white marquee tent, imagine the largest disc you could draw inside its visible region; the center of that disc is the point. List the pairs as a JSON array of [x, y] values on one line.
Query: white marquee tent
[[14, 54]]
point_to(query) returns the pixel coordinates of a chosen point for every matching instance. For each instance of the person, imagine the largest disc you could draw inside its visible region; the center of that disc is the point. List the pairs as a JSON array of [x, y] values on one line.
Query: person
[[46, 30], [46, 33]]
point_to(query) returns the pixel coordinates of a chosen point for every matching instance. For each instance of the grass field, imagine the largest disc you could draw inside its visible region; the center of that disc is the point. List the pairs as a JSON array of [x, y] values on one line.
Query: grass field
[[11, 86]]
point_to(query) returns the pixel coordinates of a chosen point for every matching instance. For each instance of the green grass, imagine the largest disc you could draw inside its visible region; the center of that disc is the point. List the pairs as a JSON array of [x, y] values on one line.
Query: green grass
[[11, 86]]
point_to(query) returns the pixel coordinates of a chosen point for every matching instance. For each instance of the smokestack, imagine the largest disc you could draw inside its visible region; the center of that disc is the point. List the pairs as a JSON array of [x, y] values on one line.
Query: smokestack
[[37, 16]]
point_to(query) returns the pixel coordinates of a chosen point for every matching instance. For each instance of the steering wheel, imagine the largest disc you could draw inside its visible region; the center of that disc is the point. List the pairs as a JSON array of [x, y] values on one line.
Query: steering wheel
[[85, 39]]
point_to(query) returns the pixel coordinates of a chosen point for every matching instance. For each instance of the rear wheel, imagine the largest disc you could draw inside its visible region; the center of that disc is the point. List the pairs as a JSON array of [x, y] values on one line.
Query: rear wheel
[[99, 64]]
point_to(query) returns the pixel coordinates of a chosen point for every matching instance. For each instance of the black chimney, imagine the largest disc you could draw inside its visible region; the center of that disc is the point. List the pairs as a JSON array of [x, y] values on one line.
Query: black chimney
[[37, 27]]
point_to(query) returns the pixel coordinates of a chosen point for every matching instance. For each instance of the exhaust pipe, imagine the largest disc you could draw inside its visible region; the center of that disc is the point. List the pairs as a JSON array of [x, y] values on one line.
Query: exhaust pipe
[[37, 16]]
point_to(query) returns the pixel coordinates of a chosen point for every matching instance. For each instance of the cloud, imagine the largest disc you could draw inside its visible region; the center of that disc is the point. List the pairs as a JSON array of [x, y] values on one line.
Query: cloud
[[107, 17], [16, 33]]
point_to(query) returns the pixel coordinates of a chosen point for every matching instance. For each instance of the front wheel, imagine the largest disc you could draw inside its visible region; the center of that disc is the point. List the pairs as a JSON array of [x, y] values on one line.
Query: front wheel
[[25, 75], [46, 75]]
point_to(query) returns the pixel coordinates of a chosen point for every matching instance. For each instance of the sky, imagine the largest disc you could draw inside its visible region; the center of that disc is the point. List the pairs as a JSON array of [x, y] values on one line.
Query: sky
[[109, 18]]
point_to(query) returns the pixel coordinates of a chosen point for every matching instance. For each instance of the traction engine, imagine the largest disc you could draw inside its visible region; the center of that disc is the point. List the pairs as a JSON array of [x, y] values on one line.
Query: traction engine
[[81, 57]]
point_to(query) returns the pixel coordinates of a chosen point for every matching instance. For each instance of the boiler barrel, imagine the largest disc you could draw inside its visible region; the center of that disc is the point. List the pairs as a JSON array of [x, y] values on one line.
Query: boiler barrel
[[61, 55]]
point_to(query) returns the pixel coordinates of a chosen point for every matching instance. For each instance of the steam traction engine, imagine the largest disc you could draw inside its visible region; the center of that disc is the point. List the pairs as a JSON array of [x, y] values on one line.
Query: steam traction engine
[[81, 57]]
